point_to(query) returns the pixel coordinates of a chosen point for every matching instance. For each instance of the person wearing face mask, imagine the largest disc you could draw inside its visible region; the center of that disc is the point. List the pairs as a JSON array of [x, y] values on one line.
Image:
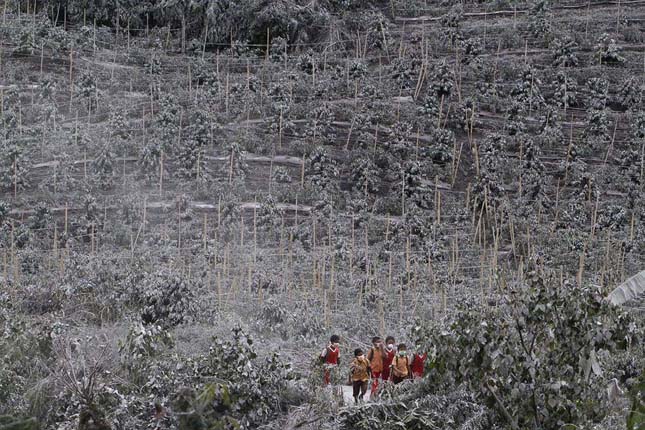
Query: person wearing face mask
[[418, 362], [401, 365], [330, 357], [360, 374], [390, 353]]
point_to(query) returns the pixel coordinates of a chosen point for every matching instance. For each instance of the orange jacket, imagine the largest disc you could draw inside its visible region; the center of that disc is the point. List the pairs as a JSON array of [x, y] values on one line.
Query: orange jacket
[[360, 369], [377, 359]]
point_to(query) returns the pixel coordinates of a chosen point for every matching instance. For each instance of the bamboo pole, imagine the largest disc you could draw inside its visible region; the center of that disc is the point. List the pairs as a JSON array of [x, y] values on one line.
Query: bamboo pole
[[437, 200], [351, 255], [219, 291], [255, 244], [178, 233], [5, 267], [230, 168], [161, 173], [219, 217], [15, 178], [569, 149], [557, 207], [241, 229], [581, 265], [227, 90], [66, 218], [204, 233], [71, 77], [594, 219], [389, 272], [14, 259], [368, 260], [302, 173]]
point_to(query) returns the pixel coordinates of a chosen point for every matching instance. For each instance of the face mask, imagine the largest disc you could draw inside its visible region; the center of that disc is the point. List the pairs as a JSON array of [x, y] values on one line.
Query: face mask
[[390, 346], [403, 353]]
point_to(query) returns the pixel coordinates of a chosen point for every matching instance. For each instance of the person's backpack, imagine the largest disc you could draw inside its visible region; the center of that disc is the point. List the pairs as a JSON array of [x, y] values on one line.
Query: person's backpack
[[323, 356]]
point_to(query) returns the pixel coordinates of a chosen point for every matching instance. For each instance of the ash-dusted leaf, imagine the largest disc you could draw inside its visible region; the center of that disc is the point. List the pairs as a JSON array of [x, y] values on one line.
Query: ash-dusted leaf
[[628, 290]]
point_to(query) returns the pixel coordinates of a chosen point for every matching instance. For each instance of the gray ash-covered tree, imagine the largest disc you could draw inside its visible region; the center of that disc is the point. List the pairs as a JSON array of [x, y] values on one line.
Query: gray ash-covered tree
[[527, 90], [565, 90], [15, 164], [630, 94], [364, 176], [104, 166], [489, 188], [532, 174], [191, 151], [322, 173], [607, 51], [564, 52]]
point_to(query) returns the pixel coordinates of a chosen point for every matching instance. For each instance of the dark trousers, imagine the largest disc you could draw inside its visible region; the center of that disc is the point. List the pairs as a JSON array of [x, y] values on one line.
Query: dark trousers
[[399, 379], [360, 388]]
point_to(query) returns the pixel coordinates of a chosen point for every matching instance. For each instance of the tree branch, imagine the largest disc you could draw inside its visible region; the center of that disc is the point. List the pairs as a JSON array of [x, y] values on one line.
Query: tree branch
[[502, 408]]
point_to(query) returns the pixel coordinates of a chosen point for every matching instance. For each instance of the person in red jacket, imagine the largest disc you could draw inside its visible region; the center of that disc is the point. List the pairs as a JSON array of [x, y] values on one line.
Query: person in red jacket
[[390, 352], [330, 357], [418, 363]]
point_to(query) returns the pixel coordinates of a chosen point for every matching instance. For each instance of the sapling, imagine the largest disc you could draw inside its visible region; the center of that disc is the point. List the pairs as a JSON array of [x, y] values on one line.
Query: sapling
[[607, 51]]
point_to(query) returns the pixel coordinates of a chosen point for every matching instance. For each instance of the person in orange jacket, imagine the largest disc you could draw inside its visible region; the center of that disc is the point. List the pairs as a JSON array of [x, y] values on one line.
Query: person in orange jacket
[[376, 357], [360, 374], [401, 365]]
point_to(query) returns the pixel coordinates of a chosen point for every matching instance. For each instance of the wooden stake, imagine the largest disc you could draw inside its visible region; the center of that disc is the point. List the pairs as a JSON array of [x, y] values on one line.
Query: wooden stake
[[302, 173], [71, 78], [204, 235], [241, 229]]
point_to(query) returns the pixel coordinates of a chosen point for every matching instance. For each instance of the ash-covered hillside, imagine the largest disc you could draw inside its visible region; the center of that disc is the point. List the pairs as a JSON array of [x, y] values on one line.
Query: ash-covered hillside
[[196, 194]]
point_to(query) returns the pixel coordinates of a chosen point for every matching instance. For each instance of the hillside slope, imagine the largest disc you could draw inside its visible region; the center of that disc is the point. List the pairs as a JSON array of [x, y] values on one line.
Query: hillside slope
[[301, 168]]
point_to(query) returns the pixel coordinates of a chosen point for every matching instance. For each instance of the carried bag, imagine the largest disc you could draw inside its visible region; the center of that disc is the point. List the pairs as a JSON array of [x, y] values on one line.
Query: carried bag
[[323, 356]]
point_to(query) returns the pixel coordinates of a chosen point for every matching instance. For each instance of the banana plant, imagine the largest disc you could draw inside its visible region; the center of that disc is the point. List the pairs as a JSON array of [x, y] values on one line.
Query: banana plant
[[628, 290]]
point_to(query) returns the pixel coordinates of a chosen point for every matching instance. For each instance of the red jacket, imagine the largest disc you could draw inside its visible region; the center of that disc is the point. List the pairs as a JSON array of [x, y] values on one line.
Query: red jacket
[[331, 356], [389, 357], [418, 363]]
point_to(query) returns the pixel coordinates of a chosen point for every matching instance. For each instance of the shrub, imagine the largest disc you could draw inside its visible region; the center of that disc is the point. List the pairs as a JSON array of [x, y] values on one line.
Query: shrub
[[564, 54], [248, 391], [142, 344], [537, 356], [607, 51], [630, 94], [412, 407], [24, 354], [165, 298]]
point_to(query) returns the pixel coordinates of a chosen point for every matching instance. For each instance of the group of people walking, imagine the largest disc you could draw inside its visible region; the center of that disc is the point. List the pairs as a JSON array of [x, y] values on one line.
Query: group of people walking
[[384, 361]]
